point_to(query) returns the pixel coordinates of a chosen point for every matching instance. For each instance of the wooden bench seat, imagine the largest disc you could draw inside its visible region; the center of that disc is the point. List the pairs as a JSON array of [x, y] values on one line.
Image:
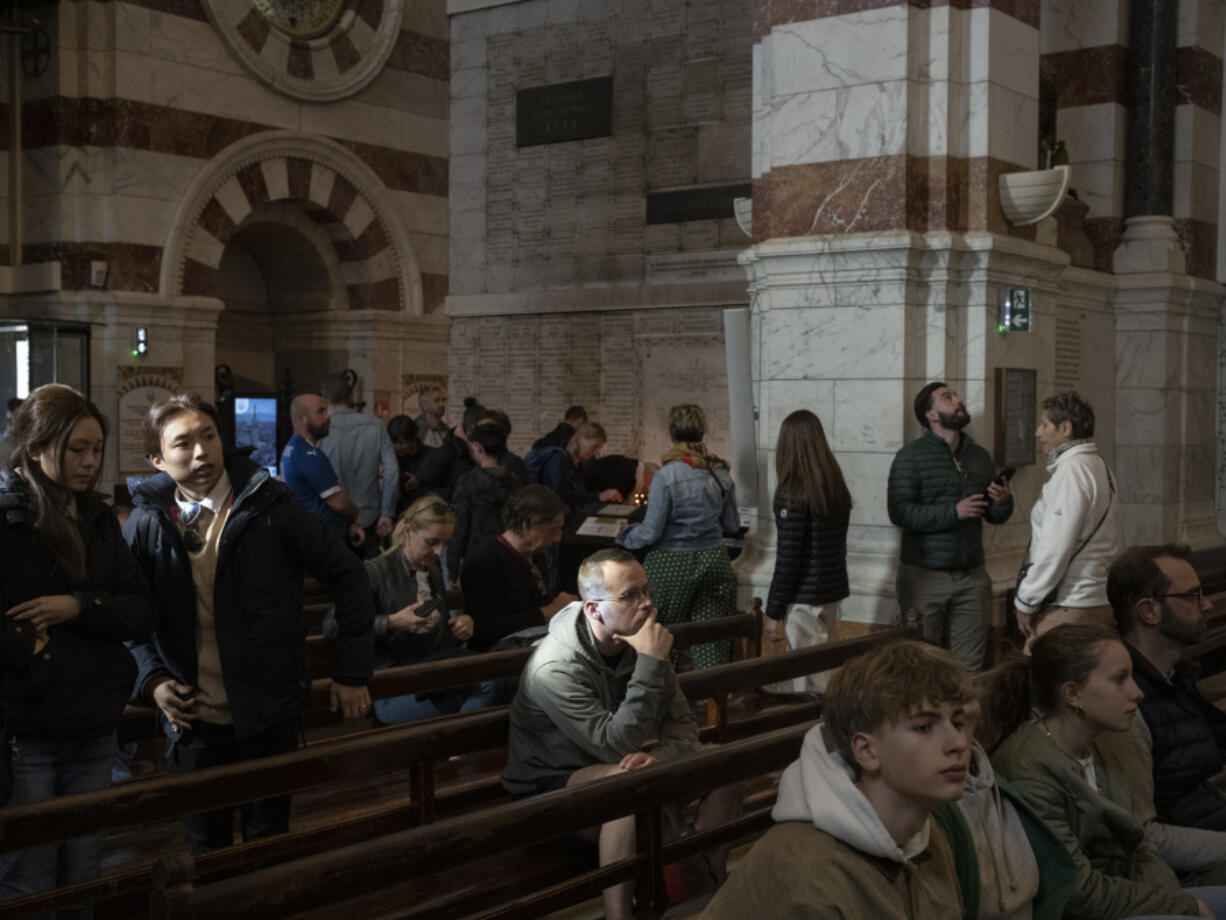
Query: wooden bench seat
[[361, 870], [379, 753]]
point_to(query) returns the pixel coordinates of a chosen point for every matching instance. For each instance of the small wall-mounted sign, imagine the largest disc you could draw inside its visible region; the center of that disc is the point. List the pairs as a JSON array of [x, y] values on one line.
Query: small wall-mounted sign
[[1013, 310], [712, 202]]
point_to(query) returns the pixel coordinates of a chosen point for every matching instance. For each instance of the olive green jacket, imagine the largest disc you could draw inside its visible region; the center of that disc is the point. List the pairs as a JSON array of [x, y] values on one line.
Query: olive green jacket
[[1118, 874]]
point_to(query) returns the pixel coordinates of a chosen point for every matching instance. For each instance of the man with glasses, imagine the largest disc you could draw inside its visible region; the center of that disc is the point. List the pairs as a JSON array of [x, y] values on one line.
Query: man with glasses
[[942, 486], [1160, 609], [597, 689]]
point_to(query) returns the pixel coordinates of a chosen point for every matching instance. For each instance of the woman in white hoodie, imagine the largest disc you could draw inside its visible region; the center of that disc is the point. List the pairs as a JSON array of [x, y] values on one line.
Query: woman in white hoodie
[[1075, 532]]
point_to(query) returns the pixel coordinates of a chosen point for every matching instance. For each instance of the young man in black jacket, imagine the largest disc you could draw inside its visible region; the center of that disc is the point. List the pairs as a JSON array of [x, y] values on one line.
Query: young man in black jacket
[[225, 547]]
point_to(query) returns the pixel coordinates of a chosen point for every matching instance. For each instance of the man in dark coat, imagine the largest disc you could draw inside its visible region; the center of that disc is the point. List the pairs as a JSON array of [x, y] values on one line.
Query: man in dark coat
[[941, 487], [1160, 609], [225, 547]]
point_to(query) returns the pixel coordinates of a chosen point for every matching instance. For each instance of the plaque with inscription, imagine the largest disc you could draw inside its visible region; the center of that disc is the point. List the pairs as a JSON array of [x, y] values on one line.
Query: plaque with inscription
[[710, 203], [1016, 408], [564, 112]]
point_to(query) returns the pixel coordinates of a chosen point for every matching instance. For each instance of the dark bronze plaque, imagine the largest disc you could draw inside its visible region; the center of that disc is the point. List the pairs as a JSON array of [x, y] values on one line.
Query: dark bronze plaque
[[1016, 413], [711, 203], [564, 112]]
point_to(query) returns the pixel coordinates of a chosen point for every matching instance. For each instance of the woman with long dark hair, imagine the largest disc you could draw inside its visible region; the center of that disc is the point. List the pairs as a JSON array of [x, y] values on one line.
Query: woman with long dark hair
[[71, 594], [812, 509], [1051, 709]]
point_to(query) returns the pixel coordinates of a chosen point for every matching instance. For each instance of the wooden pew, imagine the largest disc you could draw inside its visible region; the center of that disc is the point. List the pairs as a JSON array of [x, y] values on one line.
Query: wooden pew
[[357, 870], [414, 747], [139, 722]]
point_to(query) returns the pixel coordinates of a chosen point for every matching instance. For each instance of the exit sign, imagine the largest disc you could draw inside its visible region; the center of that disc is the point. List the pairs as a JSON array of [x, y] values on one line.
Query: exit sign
[[1013, 308]]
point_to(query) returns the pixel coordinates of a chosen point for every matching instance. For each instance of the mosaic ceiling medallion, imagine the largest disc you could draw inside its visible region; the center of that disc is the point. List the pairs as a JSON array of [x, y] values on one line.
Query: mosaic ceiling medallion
[[318, 50]]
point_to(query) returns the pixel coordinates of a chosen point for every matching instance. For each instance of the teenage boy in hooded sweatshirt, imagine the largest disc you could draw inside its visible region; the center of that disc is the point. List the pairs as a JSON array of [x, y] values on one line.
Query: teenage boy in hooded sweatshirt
[[854, 835]]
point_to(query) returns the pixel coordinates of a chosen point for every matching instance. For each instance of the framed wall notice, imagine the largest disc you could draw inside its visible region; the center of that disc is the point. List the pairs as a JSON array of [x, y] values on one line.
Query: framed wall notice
[[139, 388], [1016, 413]]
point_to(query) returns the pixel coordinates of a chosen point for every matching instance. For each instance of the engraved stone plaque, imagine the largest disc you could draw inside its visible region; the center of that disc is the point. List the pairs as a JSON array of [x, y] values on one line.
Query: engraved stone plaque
[[709, 203], [564, 112]]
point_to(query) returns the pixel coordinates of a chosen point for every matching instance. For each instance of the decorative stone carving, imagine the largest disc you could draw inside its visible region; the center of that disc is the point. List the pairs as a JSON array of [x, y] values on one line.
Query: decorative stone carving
[[318, 50], [196, 242]]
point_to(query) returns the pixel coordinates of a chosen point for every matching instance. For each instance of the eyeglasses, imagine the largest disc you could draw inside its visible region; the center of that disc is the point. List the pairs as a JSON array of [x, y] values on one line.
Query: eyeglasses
[[191, 527], [630, 597], [1198, 594]]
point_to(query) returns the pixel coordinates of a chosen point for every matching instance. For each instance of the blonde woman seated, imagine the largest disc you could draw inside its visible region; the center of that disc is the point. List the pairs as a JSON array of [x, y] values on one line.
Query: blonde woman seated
[[412, 623]]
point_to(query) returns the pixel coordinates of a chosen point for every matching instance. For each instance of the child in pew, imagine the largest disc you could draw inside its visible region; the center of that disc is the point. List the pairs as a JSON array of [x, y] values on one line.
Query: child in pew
[[1076, 686], [854, 836], [411, 618]]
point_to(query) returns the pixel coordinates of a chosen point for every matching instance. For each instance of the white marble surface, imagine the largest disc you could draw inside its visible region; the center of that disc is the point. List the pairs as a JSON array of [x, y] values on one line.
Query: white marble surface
[[852, 122], [837, 51], [1200, 23], [832, 343], [1095, 134], [1195, 191], [1004, 50], [1197, 135], [1066, 25]]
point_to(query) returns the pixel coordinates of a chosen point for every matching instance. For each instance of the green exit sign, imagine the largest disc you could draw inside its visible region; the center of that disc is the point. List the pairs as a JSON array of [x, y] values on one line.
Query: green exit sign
[[1013, 309]]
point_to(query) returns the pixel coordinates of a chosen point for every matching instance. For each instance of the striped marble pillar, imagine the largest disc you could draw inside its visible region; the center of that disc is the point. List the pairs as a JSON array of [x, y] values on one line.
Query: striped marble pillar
[[880, 133]]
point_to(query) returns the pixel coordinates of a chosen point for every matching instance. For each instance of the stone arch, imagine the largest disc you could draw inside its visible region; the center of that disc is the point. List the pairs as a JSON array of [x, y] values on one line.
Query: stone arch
[[329, 184]]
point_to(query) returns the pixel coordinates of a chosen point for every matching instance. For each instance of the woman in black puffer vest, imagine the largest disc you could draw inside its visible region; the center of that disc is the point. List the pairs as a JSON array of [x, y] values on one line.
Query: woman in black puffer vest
[[71, 593], [812, 508]]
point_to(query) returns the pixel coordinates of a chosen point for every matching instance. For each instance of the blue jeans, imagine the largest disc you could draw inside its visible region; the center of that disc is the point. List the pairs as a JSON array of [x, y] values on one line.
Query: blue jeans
[[444, 703], [44, 769], [1214, 898]]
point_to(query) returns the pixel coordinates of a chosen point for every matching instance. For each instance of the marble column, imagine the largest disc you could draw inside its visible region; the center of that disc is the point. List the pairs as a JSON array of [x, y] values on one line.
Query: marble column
[[1151, 120], [1167, 321], [880, 245], [1150, 242]]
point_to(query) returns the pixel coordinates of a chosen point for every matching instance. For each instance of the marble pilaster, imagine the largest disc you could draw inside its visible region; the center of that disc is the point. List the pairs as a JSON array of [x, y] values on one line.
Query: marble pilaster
[[1166, 346]]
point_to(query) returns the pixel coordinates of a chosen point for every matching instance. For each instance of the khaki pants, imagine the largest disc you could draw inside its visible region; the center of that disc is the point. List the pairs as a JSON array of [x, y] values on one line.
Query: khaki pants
[[951, 607]]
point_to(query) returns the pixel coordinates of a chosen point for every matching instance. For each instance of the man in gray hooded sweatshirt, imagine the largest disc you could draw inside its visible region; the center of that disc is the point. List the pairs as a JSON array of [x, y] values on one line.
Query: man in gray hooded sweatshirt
[[854, 837]]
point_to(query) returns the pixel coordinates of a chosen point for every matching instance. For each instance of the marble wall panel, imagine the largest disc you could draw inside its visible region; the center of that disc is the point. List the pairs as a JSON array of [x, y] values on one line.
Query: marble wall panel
[[851, 122], [798, 343], [1144, 416], [1197, 135], [1196, 192], [1096, 134], [1005, 51], [1100, 185], [839, 51], [867, 475], [869, 415], [782, 397], [1071, 24], [1200, 23]]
